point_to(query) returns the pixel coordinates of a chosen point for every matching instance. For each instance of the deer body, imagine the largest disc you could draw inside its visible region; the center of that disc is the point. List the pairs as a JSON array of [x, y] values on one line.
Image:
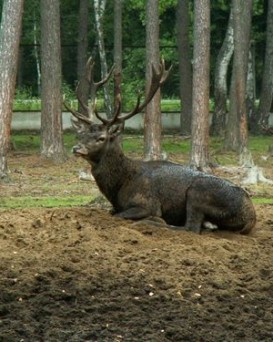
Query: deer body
[[180, 196], [160, 189]]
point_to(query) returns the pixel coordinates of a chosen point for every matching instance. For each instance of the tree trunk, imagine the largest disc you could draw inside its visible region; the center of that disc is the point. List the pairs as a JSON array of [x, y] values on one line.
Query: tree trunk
[[251, 87], [117, 50], [99, 7], [185, 67], [237, 137], [51, 116], [152, 120], [36, 55], [20, 69], [220, 81], [82, 54], [267, 81], [10, 32], [200, 107]]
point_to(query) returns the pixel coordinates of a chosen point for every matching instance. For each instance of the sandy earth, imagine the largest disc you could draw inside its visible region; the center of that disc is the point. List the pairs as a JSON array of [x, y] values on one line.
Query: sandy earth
[[78, 274]]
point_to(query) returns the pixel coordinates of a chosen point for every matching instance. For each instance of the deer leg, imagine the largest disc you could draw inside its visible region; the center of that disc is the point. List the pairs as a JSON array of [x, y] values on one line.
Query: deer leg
[[133, 213], [194, 219]]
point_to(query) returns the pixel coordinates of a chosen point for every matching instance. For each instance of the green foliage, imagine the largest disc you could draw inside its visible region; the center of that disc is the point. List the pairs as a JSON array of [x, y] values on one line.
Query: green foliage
[[170, 105], [25, 101], [27, 105], [23, 93], [68, 92], [133, 41]]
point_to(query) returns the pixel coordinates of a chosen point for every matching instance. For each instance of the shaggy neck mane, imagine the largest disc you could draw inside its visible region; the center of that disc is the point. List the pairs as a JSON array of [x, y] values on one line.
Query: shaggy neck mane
[[112, 170]]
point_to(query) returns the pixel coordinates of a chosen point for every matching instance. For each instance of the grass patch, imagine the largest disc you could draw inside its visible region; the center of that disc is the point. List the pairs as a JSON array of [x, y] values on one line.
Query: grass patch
[[262, 200], [134, 143], [30, 141], [44, 202], [60, 202]]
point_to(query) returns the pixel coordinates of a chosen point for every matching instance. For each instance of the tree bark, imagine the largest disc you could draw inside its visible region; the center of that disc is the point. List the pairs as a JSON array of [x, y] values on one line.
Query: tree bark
[[117, 50], [10, 32], [152, 119], [200, 108], [99, 7], [185, 67], [237, 132], [267, 81], [82, 54], [251, 87], [220, 80], [36, 55], [51, 116]]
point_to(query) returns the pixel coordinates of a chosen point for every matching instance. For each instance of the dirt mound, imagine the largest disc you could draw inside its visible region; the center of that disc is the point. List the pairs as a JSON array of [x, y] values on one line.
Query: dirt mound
[[81, 275]]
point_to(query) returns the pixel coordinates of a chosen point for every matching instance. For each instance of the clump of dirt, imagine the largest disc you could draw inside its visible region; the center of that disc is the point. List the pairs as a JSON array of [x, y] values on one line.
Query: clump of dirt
[[79, 274]]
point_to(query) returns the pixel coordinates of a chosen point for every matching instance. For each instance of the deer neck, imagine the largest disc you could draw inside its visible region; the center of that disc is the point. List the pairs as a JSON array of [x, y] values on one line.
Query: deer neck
[[112, 170]]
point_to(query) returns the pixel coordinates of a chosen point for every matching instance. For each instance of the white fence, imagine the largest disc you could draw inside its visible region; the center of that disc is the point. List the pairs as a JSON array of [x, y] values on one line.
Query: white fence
[[32, 121]]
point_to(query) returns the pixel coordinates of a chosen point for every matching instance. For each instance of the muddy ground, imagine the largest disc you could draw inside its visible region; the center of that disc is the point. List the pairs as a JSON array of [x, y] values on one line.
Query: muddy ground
[[78, 274]]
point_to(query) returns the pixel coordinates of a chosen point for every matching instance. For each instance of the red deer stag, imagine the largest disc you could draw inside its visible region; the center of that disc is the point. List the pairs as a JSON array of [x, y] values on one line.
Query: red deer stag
[[161, 190]]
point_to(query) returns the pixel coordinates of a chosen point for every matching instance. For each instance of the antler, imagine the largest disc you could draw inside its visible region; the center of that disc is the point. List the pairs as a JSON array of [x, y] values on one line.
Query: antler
[[158, 78], [267, 129], [94, 86]]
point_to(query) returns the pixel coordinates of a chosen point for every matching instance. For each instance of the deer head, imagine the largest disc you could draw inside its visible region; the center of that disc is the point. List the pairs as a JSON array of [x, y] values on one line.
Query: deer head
[[94, 137]]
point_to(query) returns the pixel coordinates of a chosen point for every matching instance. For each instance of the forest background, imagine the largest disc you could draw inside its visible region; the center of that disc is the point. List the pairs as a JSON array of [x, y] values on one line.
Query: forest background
[[179, 24], [133, 37]]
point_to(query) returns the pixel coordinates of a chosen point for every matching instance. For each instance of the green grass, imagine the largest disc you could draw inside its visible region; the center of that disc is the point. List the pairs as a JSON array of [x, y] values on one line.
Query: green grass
[[262, 200], [30, 142], [260, 143], [60, 202], [134, 143], [43, 202]]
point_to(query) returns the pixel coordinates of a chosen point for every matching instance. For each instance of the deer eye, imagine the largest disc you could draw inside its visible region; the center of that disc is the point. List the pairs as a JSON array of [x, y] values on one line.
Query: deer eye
[[101, 139]]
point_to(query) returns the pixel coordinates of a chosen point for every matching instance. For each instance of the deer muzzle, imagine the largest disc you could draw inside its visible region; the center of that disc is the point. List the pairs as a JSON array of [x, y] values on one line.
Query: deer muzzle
[[79, 150]]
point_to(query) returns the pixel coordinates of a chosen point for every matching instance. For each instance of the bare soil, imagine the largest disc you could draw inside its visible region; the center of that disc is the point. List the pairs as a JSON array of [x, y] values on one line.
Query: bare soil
[[79, 274]]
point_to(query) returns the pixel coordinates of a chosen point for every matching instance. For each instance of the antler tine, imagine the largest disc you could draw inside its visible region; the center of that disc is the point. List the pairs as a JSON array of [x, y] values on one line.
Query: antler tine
[[116, 118], [90, 77], [121, 119], [89, 68], [105, 79], [96, 85], [158, 78], [103, 120], [83, 105], [77, 115], [164, 73]]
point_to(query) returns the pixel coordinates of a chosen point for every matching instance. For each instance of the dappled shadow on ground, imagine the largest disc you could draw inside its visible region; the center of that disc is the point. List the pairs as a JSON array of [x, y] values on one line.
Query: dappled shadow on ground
[[79, 274]]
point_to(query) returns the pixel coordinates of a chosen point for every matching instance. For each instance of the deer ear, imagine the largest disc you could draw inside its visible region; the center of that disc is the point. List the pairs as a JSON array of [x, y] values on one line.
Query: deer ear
[[79, 126]]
